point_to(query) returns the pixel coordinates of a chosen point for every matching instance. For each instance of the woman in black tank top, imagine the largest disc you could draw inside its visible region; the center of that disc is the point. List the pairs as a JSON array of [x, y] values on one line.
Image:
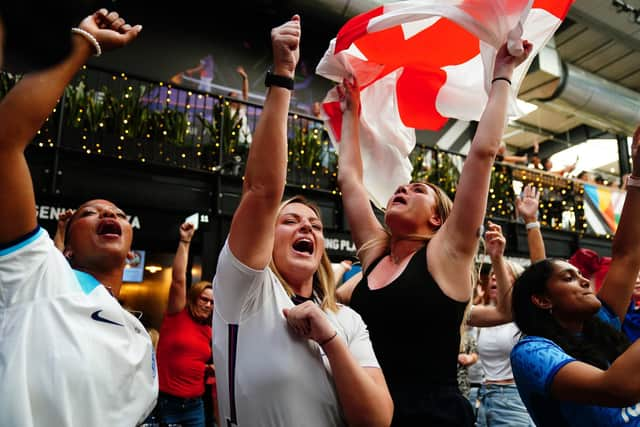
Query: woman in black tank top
[[413, 294]]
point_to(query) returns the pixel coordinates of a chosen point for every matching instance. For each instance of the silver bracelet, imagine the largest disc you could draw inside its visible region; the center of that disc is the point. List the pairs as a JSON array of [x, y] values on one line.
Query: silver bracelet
[[532, 225], [90, 38]]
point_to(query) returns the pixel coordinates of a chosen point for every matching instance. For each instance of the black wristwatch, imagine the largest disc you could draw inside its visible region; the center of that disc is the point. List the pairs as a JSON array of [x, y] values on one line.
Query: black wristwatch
[[276, 80]]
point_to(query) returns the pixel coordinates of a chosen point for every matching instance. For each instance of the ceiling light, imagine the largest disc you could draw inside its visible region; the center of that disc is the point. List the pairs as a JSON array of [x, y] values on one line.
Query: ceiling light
[[153, 268]]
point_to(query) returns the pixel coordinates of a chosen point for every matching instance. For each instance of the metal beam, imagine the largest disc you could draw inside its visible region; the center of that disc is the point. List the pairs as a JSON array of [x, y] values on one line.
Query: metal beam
[[601, 26]]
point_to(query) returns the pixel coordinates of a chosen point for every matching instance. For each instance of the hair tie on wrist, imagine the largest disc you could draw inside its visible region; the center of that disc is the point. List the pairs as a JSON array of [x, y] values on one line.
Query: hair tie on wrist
[[185, 241], [323, 343], [501, 78], [90, 38]]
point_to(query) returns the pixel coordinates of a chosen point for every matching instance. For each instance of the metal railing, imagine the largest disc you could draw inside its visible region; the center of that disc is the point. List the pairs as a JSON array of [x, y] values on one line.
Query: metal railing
[[103, 113]]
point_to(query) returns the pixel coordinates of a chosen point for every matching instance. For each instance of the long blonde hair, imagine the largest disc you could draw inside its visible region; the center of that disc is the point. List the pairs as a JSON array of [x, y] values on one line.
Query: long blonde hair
[[443, 208], [324, 288]]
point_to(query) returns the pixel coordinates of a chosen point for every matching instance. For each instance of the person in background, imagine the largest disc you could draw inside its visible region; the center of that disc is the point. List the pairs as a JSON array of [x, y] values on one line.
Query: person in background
[[202, 74], [547, 165], [184, 347], [340, 269], [61, 229], [418, 266], [286, 353], [238, 111], [467, 357], [587, 177], [574, 366], [505, 157], [70, 354], [499, 402]]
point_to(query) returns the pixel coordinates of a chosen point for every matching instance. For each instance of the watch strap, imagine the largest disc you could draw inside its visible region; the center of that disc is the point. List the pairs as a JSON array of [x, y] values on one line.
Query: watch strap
[[276, 80]]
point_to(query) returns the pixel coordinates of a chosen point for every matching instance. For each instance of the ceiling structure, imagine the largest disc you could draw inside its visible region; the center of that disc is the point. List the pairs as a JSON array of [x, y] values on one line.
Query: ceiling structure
[[600, 42]]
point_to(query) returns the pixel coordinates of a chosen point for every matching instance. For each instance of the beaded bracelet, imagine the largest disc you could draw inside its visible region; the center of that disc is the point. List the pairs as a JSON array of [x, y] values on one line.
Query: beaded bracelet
[[90, 38], [532, 225]]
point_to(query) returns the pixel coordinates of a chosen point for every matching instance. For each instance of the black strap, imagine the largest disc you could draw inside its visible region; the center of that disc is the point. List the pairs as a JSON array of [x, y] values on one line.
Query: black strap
[[276, 80]]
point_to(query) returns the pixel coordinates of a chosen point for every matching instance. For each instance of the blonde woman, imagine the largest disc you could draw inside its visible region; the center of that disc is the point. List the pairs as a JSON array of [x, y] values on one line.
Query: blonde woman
[[286, 353], [417, 268]]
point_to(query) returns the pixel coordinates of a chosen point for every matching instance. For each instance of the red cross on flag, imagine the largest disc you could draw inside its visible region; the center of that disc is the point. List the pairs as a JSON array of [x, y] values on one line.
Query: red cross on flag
[[419, 63]]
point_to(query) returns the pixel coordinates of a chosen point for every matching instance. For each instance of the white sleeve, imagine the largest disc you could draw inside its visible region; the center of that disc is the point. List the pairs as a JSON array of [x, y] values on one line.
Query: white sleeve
[[235, 286], [358, 340], [33, 268]]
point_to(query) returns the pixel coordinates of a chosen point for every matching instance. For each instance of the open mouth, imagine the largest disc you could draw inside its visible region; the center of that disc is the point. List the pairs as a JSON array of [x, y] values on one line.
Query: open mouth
[[109, 227], [399, 199], [303, 245]]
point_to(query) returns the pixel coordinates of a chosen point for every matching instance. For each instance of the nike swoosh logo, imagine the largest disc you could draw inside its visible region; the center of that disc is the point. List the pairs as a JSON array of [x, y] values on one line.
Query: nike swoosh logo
[[96, 316]]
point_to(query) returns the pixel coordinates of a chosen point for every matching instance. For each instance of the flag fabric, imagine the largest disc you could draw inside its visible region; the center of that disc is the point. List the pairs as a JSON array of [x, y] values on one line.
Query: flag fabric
[[419, 63], [608, 202]]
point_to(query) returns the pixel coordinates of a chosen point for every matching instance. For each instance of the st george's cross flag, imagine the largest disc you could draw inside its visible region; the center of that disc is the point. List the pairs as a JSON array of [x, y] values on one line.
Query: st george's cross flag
[[420, 62]]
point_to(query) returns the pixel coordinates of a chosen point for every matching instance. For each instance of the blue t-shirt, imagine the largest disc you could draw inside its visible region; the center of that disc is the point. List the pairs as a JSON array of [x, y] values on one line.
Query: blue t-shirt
[[631, 324], [535, 362]]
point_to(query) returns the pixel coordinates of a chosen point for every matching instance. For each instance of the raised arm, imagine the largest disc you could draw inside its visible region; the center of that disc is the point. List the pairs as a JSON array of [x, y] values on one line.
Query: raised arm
[[452, 249], [355, 199], [24, 109], [488, 315], [245, 82], [625, 253], [61, 229], [516, 159], [527, 206], [252, 229], [178, 289]]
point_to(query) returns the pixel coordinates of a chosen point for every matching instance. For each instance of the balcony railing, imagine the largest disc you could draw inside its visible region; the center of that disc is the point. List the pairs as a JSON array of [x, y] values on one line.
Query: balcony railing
[[123, 117]]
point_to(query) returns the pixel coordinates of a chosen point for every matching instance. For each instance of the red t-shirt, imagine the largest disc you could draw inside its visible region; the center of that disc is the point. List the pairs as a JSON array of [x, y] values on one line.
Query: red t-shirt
[[183, 351]]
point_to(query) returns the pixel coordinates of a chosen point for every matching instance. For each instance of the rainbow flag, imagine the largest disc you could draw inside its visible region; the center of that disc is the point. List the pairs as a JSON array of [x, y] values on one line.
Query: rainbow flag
[[608, 201]]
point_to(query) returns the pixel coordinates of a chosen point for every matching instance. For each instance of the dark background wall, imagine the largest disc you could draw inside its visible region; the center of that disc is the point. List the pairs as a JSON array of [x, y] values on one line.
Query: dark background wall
[[234, 33]]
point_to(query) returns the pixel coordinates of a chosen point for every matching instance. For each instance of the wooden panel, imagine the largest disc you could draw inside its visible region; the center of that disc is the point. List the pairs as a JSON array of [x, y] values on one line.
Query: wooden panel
[[602, 57], [551, 120], [622, 68], [582, 45], [632, 81]]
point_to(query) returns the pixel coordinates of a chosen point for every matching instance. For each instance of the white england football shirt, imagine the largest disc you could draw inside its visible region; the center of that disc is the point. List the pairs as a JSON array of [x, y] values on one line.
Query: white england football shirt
[[265, 374], [70, 355]]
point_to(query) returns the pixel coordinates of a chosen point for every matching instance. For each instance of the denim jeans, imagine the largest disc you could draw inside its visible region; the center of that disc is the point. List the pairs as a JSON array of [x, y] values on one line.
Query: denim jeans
[[184, 412], [500, 405], [474, 395]]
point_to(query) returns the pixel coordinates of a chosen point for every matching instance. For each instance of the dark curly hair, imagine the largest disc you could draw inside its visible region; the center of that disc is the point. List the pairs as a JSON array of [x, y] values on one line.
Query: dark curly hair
[[598, 345]]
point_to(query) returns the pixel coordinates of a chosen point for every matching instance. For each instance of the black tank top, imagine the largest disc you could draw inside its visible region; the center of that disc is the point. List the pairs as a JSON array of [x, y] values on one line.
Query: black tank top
[[414, 327]]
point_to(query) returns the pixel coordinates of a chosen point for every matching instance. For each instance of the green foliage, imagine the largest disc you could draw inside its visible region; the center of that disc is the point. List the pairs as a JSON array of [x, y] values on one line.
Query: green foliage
[[305, 149], [500, 200], [126, 115], [226, 129], [310, 161]]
